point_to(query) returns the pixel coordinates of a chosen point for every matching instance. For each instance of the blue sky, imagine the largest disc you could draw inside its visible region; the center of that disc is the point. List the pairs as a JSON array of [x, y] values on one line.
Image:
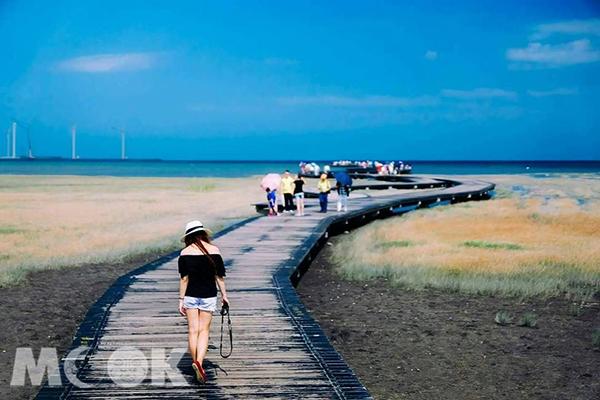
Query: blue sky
[[308, 80]]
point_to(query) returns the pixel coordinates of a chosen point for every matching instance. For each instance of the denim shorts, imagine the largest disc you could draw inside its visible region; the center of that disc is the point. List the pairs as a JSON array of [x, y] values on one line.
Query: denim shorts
[[207, 304], [299, 195]]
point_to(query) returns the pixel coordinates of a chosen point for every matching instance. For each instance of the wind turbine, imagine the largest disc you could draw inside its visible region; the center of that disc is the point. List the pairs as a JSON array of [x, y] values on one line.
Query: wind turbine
[[28, 130], [14, 138], [122, 130], [74, 139], [14, 142]]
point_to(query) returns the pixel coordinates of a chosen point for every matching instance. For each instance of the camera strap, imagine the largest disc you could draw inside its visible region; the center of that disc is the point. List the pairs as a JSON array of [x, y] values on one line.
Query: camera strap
[[230, 333]]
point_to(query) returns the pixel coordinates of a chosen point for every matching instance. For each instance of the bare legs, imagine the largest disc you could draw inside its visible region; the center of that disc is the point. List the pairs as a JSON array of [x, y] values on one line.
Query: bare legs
[[300, 205], [204, 320], [198, 331], [192, 318]]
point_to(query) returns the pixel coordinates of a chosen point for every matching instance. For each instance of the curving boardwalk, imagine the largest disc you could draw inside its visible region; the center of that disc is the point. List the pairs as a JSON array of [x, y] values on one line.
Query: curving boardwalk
[[279, 350]]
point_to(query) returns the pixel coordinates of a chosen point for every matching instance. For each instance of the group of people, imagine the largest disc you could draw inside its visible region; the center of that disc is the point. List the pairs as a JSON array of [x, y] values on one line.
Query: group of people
[[313, 169], [382, 168], [392, 168], [309, 168], [293, 188]]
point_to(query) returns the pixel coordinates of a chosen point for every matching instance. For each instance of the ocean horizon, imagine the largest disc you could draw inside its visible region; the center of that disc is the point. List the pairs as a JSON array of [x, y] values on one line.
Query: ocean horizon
[[245, 168]]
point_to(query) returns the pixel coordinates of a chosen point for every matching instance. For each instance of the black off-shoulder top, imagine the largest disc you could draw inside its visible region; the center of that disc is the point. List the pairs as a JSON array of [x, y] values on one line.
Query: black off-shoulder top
[[201, 274]]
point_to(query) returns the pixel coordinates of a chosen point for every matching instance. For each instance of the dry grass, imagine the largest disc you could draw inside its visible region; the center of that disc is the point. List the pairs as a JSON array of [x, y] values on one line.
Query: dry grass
[[537, 237], [58, 221]]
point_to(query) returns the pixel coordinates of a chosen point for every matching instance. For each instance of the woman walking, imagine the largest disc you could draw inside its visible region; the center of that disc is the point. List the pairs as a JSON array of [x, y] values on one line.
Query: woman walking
[[324, 188], [202, 269], [299, 195]]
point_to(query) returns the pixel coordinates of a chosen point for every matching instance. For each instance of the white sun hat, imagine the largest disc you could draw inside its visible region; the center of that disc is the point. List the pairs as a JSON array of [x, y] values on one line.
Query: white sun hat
[[192, 227]]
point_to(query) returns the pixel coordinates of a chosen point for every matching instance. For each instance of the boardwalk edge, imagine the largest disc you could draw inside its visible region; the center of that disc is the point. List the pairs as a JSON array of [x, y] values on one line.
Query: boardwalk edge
[[287, 277]]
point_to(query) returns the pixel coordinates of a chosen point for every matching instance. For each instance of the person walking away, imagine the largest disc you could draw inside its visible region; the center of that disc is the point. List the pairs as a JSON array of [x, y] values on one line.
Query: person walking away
[[202, 269], [324, 188], [299, 195], [343, 191], [287, 187], [272, 200]]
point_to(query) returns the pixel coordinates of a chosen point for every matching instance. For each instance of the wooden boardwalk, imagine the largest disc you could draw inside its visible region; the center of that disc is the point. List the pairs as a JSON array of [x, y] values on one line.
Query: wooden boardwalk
[[279, 350]]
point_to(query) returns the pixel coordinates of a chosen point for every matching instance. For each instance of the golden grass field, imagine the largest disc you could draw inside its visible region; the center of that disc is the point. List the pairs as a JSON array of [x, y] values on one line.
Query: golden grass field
[[60, 221], [537, 236]]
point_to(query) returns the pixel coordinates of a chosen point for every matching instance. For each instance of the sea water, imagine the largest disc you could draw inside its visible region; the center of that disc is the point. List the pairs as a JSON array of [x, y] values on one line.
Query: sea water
[[250, 168]]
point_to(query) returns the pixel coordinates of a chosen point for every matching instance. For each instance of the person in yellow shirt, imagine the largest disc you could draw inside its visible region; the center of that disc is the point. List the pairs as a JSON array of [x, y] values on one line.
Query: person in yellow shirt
[[287, 188], [324, 188]]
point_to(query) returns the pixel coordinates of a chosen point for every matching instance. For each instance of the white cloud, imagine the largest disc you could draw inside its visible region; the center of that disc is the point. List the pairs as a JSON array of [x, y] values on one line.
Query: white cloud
[[553, 56], [431, 55], [478, 111], [479, 93], [554, 92], [224, 108], [281, 61], [368, 101], [110, 62], [377, 101], [576, 27]]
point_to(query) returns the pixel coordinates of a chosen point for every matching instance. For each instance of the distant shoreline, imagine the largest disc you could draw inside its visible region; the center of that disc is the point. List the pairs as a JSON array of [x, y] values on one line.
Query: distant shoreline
[[129, 160], [242, 168]]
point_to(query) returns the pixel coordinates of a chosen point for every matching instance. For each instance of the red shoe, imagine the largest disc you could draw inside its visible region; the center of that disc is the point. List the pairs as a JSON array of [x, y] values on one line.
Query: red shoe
[[200, 374]]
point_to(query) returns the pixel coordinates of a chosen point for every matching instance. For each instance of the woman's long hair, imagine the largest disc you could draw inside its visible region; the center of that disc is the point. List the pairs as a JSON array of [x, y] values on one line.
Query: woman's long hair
[[197, 238]]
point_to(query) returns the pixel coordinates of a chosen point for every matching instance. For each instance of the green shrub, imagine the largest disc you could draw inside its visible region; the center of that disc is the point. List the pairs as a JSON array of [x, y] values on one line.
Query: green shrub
[[494, 246], [529, 320], [203, 187], [396, 243], [575, 310], [9, 230], [503, 318], [535, 217], [208, 187]]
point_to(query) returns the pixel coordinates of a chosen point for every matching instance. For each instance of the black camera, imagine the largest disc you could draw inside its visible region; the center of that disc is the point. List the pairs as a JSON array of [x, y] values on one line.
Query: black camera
[[225, 308]]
